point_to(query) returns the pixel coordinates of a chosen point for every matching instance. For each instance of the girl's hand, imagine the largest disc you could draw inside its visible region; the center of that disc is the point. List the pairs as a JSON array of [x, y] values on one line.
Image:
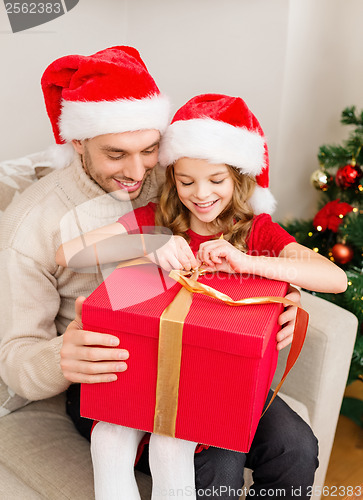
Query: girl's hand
[[220, 255], [175, 254]]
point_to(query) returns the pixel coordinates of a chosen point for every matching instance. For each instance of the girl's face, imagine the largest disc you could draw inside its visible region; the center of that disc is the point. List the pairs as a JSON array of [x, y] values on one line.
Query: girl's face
[[205, 189]]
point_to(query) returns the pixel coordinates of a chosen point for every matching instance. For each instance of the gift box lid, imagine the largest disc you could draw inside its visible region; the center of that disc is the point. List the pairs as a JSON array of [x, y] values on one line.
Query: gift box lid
[[132, 300]]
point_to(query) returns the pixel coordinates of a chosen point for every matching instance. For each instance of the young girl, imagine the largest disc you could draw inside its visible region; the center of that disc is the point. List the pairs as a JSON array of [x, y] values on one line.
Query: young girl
[[216, 162]]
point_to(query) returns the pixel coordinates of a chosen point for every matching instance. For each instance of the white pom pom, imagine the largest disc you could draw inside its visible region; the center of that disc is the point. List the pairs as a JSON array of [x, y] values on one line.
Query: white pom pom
[[262, 201], [61, 155]]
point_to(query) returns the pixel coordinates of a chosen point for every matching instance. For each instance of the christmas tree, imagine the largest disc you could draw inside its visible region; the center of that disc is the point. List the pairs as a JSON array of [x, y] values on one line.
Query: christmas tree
[[336, 231]]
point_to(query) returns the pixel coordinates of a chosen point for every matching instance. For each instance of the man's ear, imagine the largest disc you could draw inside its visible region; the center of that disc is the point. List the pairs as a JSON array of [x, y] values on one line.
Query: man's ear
[[78, 146]]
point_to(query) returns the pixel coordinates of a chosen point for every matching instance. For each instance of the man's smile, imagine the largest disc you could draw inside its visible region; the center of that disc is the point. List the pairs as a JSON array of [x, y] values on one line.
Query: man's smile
[[129, 186]]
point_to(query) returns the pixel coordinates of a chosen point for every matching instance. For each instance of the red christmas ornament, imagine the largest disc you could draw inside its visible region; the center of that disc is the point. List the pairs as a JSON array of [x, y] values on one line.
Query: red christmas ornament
[[348, 176], [342, 253]]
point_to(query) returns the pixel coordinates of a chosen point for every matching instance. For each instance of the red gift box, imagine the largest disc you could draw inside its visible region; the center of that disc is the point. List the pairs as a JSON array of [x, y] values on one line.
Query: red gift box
[[228, 355]]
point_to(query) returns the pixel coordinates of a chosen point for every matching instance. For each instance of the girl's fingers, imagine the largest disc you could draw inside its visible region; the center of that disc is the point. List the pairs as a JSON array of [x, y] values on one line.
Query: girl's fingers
[[186, 256], [169, 262], [215, 258], [175, 255], [187, 260], [207, 260], [164, 263], [212, 255]]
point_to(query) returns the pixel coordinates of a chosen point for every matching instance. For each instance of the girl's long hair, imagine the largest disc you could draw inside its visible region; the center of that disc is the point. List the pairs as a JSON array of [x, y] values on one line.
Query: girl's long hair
[[234, 222]]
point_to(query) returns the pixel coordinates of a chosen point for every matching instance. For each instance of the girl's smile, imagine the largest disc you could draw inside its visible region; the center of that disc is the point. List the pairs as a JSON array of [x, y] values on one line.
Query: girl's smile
[[205, 207], [205, 189]]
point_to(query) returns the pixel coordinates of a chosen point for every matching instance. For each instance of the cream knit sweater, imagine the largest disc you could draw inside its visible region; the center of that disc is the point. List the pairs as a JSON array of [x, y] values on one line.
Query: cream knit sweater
[[37, 299]]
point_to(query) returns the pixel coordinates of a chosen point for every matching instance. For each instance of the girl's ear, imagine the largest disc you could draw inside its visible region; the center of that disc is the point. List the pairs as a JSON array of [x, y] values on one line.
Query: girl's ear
[[78, 146]]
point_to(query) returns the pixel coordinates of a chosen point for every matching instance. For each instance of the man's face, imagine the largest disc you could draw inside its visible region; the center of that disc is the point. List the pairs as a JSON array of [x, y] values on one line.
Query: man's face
[[120, 163]]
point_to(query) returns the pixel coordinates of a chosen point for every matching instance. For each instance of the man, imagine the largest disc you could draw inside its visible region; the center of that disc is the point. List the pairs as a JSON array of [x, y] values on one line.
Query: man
[[107, 116]]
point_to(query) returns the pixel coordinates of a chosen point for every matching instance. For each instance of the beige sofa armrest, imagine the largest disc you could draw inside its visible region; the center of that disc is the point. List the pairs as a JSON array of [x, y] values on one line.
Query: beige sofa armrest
[[319, 377]]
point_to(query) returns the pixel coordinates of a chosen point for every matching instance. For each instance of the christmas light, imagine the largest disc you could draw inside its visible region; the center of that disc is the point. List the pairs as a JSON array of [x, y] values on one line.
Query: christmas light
[[319, 228], [310, 233], [316, 249], [340, 216], [355, 209]]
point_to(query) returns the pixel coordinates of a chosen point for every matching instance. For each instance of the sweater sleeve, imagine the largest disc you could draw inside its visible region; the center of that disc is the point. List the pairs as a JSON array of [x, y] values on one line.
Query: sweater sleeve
[[30, 347]]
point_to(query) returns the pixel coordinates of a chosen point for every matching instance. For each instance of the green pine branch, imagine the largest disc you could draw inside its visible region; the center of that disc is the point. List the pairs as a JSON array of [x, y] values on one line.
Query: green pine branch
[[352, 297], [349, 117], [300, 229], [356, 367], [331, 156], [351, 230]]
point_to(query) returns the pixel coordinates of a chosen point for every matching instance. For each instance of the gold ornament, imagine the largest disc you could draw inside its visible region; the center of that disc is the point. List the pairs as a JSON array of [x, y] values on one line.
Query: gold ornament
[[320, 180]]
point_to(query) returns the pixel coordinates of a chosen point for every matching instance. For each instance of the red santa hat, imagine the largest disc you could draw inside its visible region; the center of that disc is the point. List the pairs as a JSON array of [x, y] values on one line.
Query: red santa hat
[[221, 129], [108, 92]]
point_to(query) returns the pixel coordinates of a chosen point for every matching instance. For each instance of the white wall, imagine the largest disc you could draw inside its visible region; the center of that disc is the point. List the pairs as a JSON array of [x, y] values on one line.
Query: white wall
[[323, 75], [297, 63]]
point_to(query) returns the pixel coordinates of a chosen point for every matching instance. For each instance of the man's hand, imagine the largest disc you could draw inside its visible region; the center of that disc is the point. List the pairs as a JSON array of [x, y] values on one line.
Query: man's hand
[[287, 319], [90, 357]]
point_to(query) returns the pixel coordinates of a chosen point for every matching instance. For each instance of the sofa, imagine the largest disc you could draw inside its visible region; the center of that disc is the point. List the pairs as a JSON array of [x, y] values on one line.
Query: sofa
[[42, 457]]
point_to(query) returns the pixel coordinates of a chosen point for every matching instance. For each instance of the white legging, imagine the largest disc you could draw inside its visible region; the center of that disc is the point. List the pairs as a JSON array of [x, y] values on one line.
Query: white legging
[[114, 449]]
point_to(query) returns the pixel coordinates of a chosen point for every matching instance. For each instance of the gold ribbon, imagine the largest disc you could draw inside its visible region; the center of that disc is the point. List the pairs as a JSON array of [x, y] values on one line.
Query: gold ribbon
[[169, 360], [133, 262]]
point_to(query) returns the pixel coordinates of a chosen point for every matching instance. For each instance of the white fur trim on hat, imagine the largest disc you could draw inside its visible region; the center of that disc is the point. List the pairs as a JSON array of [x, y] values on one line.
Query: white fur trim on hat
[[215, 141], [84, 120], [262, 201], [60, 155]]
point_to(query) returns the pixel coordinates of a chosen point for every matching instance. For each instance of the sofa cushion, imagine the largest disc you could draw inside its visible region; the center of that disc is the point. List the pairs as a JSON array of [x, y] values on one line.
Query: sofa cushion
[[15, 176], [42, 452], [9, 401]]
